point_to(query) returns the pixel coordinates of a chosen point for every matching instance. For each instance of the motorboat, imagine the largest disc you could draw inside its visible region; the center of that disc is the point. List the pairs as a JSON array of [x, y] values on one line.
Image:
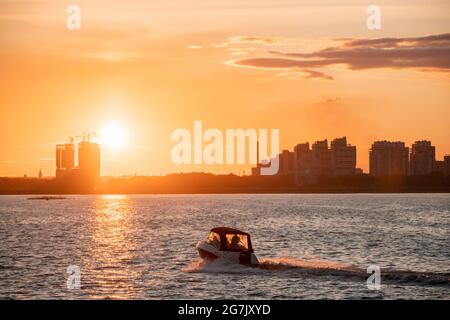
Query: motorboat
[[229, 244]]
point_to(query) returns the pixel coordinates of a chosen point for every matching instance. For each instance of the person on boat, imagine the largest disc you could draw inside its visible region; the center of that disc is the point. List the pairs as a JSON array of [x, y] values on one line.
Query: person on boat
[[215, 241], [236, 243]]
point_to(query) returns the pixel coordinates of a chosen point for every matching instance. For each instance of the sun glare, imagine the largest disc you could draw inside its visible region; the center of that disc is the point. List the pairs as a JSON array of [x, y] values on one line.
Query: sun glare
[[113, 135]]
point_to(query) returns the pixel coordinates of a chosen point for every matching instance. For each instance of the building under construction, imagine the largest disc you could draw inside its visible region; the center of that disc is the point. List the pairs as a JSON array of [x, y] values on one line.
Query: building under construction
[[88, 169]]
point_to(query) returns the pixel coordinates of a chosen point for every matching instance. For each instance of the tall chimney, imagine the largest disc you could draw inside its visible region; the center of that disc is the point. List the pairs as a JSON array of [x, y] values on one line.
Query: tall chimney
[[257, 152]]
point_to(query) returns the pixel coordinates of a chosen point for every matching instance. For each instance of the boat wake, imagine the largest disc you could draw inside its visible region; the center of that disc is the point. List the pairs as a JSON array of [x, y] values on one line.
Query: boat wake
[[217, 266], [295, 267]]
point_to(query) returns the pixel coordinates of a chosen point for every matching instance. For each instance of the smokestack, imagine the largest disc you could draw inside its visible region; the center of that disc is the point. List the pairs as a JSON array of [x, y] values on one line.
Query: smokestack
[[257, 152]]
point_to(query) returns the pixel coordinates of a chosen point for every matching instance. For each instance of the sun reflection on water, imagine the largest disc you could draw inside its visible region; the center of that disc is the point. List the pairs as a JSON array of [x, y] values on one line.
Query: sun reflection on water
[[113, 248], [114, 196]]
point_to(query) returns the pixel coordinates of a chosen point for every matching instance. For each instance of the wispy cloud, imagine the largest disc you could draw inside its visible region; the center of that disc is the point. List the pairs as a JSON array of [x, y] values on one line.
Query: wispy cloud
[[236, 40], [430, 53], [305, 74], [195, 47]]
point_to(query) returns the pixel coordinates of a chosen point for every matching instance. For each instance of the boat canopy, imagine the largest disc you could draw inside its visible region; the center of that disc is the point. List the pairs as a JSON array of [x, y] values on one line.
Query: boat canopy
[[227, 230], [229, 239]]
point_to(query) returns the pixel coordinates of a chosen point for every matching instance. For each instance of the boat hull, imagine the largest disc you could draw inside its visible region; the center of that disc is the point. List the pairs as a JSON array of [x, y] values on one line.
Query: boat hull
[[209, 252], [206, 255]]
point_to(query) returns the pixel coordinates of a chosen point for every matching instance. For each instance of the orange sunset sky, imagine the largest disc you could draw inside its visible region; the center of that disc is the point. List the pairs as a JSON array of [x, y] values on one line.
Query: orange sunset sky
[[308, 67]]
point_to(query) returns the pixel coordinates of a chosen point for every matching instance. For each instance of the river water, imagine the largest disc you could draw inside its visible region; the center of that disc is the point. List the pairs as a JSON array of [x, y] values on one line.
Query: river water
[[143, 247]]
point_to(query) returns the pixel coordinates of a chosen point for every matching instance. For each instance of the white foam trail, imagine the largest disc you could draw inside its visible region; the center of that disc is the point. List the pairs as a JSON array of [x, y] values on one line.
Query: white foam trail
[[280, 263], [216, 266], [290, 263], [316, 267]]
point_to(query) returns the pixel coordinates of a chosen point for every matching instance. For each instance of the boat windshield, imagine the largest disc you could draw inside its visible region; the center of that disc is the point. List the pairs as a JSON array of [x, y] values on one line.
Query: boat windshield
[[213, 239], [237, 242]]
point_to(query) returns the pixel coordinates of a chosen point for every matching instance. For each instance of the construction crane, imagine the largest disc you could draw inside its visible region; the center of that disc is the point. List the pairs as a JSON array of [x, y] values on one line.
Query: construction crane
[[70, 136], [84, 136]]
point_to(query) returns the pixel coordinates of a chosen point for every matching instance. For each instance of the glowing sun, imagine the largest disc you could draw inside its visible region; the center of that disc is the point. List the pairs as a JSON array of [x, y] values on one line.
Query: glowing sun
[[113, 135]]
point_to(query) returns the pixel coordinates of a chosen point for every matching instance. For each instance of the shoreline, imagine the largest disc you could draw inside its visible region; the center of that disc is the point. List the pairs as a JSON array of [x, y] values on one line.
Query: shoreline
[[220, 193], [207, 183]]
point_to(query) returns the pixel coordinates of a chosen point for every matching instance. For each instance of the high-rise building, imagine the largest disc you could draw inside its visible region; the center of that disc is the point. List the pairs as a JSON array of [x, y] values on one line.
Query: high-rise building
[[447, 166], [86, 174], [65, 159], [302, 162], [321, 158], [388, 158], [439, 166], [286, 162], [89, 159], [343, 157], [422, 159]]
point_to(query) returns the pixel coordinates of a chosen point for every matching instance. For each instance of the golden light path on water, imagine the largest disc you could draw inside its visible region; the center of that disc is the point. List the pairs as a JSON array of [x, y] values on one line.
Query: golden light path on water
[[113, 245]]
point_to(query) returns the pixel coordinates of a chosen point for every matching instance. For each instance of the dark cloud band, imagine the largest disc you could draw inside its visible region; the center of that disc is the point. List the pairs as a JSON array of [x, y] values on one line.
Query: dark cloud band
[[431, 53]]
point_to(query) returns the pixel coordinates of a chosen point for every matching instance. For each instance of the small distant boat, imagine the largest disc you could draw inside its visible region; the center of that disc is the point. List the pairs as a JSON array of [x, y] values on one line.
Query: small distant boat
[[47, 198], [230, 244]]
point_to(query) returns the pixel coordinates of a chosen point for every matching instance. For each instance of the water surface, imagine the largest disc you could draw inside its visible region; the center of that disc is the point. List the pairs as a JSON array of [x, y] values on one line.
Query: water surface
[[143, 247]]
